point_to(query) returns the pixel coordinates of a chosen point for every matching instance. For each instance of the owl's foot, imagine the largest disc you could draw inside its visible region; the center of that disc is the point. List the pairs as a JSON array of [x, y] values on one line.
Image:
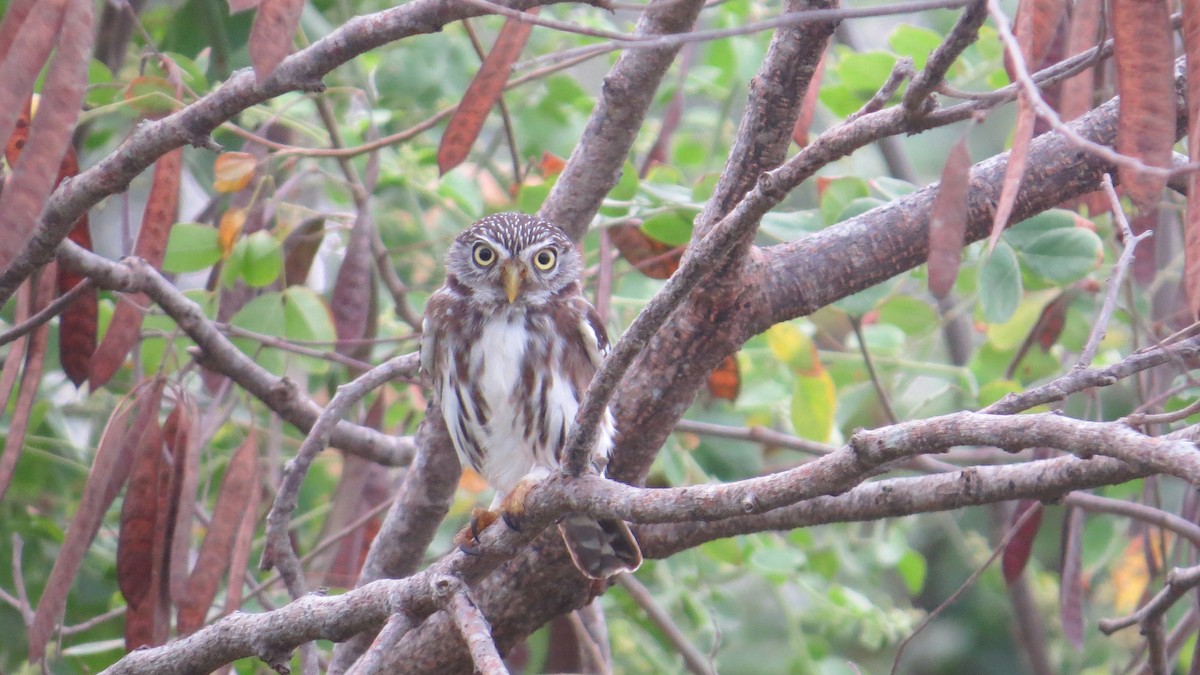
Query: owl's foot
[[468, 539], [512, 509]]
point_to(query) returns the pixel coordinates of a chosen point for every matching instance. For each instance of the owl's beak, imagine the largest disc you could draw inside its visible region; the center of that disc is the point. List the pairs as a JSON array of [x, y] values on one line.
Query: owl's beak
[[513, 273]]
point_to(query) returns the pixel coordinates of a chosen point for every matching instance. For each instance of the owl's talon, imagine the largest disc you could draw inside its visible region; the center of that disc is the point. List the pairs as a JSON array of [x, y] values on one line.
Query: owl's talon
[[512, 509], [512, 521], [468, 538]]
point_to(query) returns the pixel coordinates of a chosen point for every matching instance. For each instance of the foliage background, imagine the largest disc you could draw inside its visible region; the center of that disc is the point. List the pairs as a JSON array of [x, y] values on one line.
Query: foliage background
[[831, 599]]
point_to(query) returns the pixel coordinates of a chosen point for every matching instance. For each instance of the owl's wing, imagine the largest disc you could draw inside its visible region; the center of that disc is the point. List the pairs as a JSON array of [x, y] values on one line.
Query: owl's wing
[[430, 327], [595, 337]]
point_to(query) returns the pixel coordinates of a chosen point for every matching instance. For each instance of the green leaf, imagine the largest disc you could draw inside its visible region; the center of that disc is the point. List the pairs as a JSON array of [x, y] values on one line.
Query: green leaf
[[837, 196], [865, 300], [995, 390], [191, 248], [777, 561], [306, 316], [1000, 284], [791, 226], [262, 259], [1024, 232], [1063, 255], [263, 315], [884, 339], [673, 228], [530, 197], [726, 550], [624, 191], [891, 188], [909, 314], [913, 42], [864, 72], [912, 568], [858, 207], [814, 403]]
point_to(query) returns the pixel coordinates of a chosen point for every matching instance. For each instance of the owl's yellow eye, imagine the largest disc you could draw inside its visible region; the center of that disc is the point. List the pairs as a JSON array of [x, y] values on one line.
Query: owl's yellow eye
[[544, 260], [484, 255]]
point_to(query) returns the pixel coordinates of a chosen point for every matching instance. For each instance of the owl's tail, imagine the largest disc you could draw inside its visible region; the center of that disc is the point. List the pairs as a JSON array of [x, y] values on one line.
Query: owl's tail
[[600, 548]]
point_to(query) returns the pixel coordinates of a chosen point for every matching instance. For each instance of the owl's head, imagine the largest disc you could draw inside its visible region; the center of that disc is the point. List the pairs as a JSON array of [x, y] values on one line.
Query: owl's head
[[514, 258]]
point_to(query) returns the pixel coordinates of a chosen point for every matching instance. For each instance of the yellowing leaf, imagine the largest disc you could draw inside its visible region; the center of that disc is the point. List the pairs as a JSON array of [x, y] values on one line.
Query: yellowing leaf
[[233, 171], [814, 402], [230, 229], [792, 346], [1131, 575]]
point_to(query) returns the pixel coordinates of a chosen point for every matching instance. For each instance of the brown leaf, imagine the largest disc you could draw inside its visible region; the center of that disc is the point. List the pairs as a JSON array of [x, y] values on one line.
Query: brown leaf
[[1016, 553], [180, 431], [808, 107], [272, 34], [50, 133], [1145, 53], [948, 220], [1191, 41], [232, 171], [1070, 587], [77, 323], [11, 26], [1077, 92], [725, 381], [110, 469], [482, 93], [139, 542], [31, 36], [300, 249], [651, 257], [77, 326], [1022, 136], [241, 479], [240, 559], [16, 353], [151, 245], [35, 361], [1044, 17], [351, 300]]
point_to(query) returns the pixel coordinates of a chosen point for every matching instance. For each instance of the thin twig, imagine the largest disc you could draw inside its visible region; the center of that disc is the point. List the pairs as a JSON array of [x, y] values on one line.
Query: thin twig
[[1113, 285], [761, 435], [884, 399], [18, 547], [970, 581], [1179, 581], [1142, 512], [693, 658], [49, 312]]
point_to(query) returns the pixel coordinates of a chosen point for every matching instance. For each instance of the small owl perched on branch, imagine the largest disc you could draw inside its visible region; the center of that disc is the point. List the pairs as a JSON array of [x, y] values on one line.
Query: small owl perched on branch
[[511, 345]]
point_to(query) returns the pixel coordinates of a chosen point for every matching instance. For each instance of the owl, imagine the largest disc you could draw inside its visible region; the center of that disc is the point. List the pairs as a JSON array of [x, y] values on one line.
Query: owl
[[510, 345]]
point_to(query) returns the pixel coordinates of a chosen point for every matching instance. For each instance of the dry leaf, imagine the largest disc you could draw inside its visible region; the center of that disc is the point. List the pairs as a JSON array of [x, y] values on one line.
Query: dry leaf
[[157, 219], [485, 89], [948, 220], [649, 256], [232, 171], [1145, 52], [1017, 551], [725, 381], [271, 35]]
